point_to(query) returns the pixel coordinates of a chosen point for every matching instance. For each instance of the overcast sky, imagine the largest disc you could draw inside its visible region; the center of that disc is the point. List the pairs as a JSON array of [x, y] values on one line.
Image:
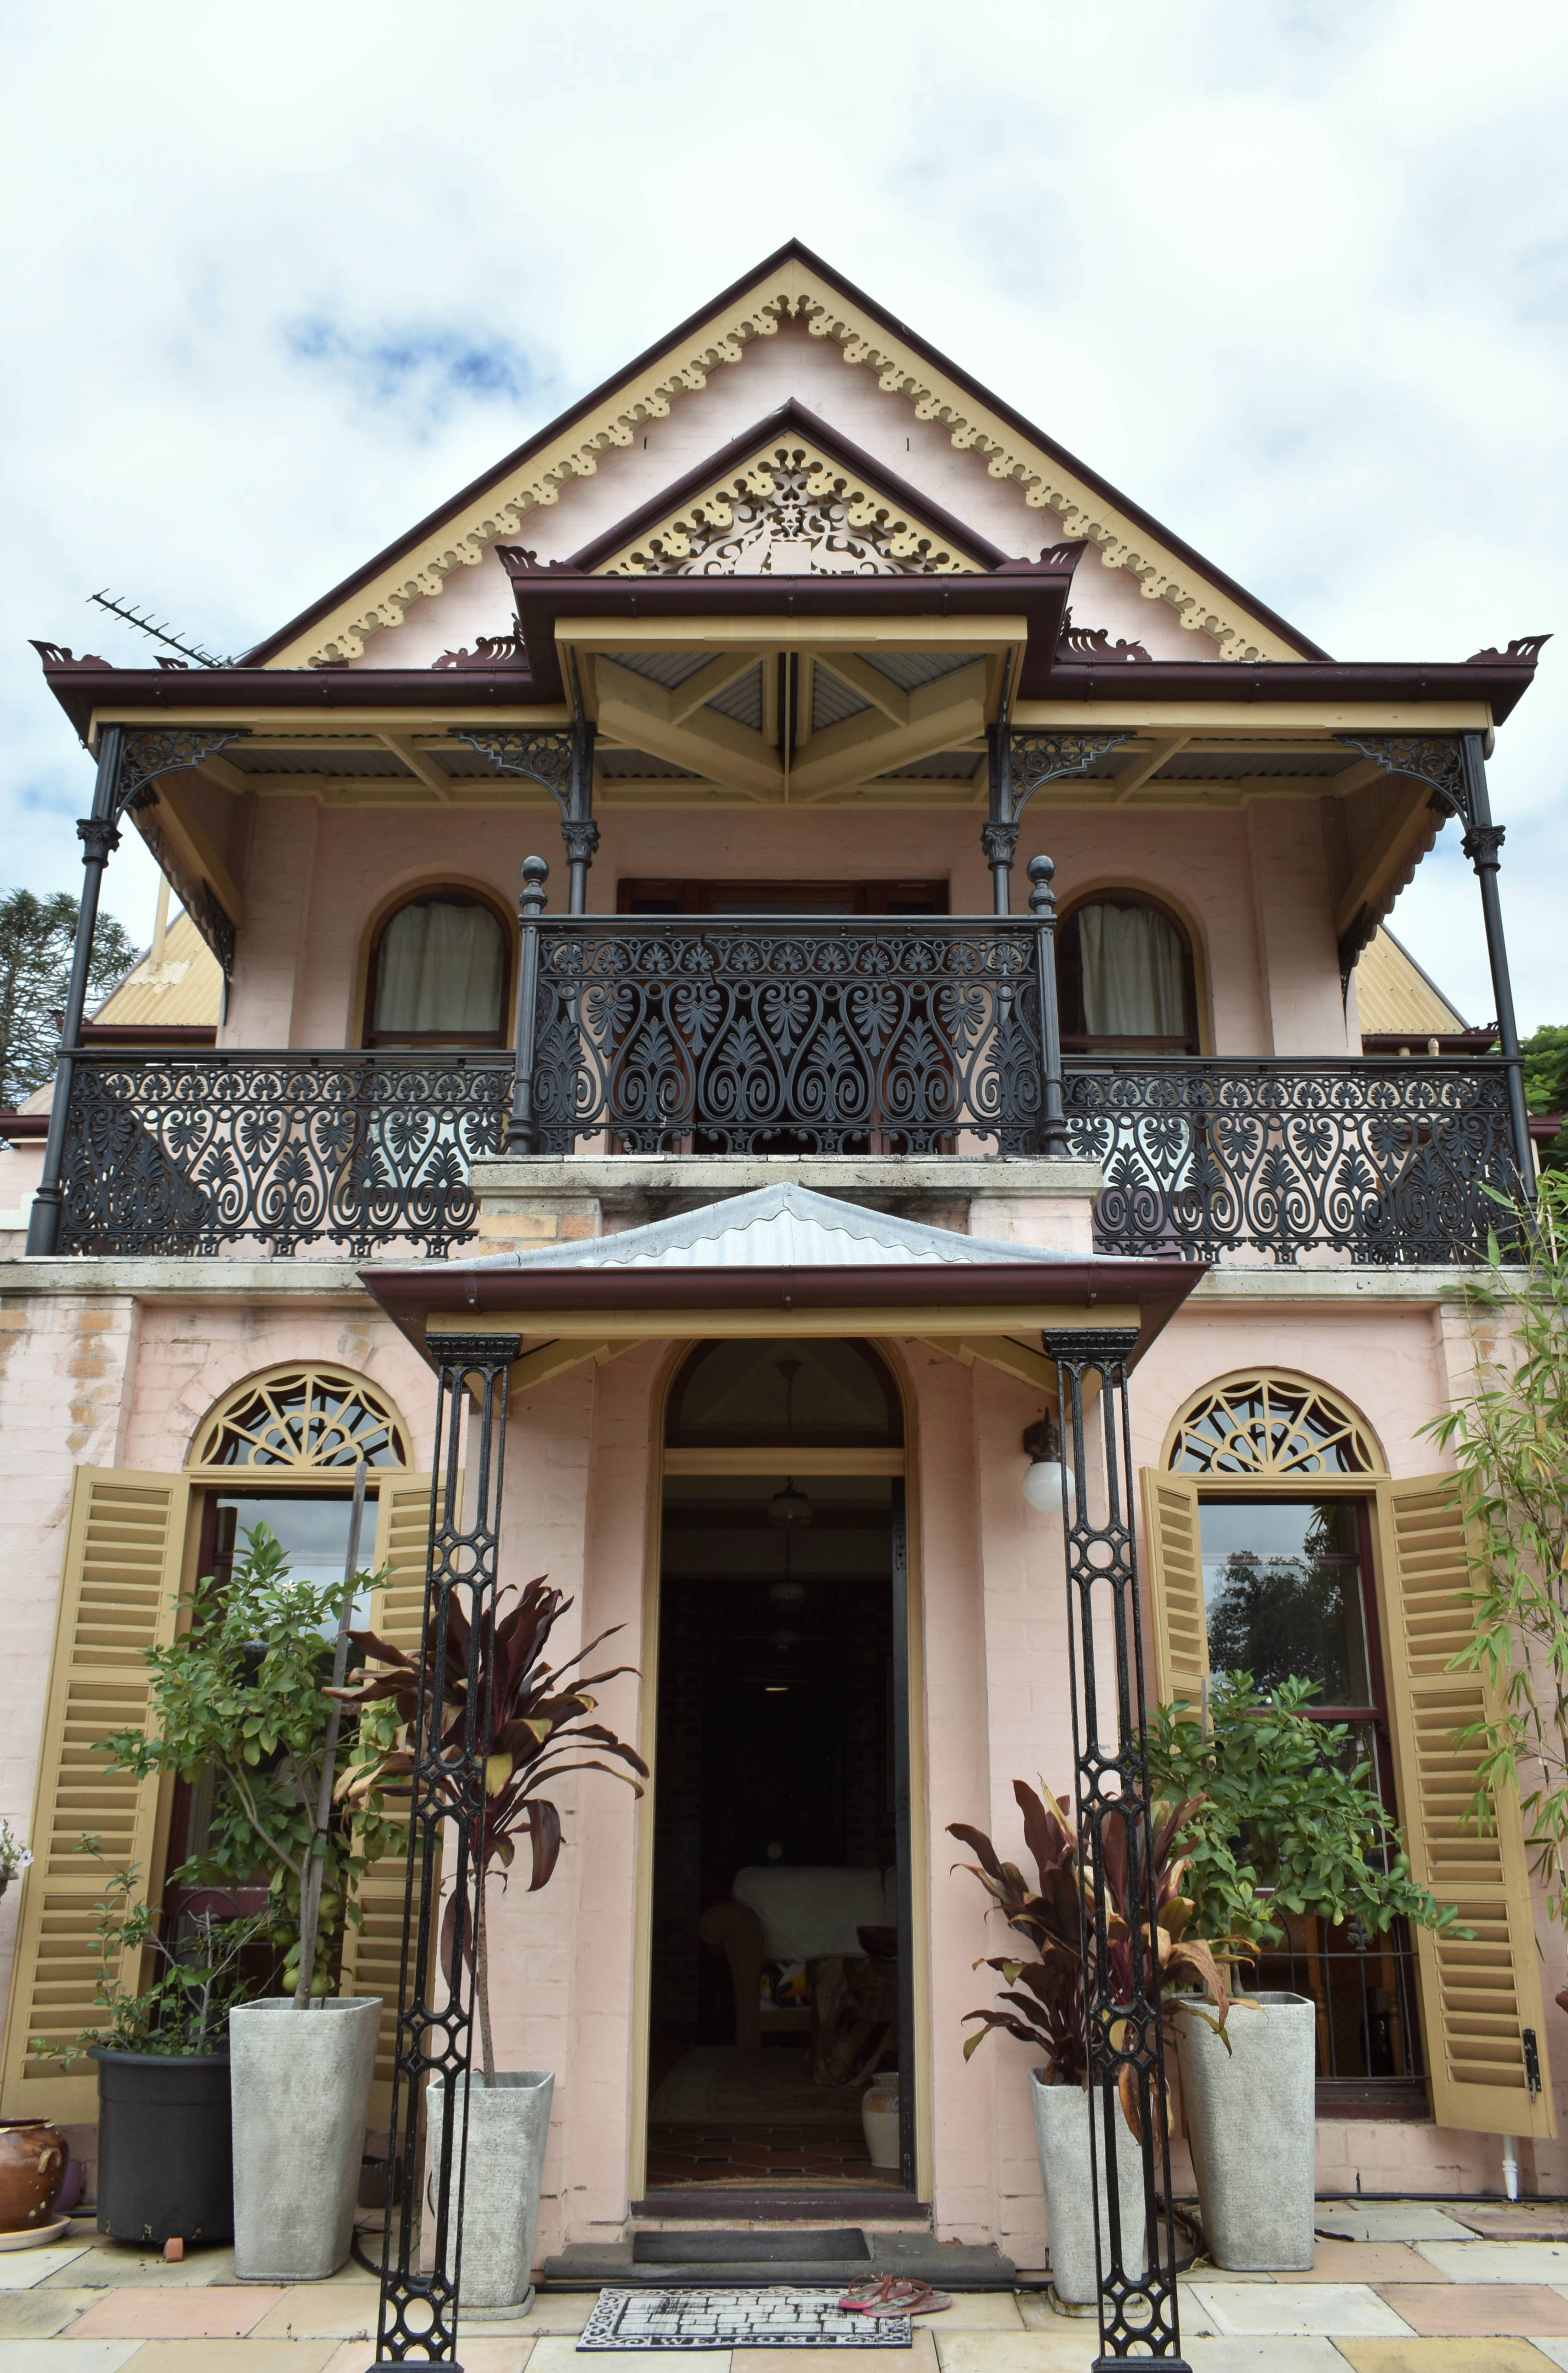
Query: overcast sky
[[1293, 277]]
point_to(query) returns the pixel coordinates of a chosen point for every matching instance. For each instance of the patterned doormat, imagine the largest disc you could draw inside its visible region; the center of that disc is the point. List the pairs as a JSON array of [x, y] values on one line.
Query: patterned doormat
[[737, 2318]]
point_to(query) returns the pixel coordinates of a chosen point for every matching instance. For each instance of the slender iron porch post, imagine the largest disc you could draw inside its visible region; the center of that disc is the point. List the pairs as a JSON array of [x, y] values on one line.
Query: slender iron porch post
[[1137, 2308], [1482, 841], [418, 2321], [1042, 907], [522, 1129], [98, 834]]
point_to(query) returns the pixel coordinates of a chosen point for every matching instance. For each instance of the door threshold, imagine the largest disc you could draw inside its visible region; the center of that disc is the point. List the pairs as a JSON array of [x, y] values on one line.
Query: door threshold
[[713, 2202]]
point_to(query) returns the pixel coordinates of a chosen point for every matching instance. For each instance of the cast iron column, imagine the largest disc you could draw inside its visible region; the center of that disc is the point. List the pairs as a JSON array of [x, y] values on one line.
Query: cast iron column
[[1042, 907], [98, 834], [1137, 2286], [1482, 841], [522, 1129], [418, 2321]]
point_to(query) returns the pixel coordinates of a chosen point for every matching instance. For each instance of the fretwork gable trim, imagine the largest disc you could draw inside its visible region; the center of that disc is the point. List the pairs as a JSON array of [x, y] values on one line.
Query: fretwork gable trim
[[793, 284]]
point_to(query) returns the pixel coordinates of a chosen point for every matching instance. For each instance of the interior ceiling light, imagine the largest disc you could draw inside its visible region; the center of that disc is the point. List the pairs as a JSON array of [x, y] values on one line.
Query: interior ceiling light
[[789, 1508]]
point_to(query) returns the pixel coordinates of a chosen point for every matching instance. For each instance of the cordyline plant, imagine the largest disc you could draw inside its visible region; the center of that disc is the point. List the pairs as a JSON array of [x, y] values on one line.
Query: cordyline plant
[[1281, 1817], [1509, 1441], [240, 1695], [530, 1730], [1050, 2011]]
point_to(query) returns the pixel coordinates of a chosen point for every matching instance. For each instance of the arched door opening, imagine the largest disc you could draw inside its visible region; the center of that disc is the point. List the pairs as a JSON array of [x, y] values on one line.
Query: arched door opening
[[781, 1967]]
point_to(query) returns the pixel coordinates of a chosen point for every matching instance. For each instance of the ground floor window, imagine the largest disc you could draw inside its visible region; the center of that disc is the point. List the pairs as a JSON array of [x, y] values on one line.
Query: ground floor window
[[1288, 1590]]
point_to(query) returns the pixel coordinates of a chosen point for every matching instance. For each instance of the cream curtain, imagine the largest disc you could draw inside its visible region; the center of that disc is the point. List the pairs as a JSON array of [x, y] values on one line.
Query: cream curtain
[[1132, 973], [440, 968]]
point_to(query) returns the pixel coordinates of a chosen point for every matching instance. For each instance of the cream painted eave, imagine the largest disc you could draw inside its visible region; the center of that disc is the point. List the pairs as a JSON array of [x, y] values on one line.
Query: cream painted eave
[[1256, 720], [792, 289]]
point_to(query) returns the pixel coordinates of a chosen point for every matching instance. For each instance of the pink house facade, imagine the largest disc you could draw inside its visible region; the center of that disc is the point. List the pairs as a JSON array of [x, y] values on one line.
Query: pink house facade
[[771, 1144]]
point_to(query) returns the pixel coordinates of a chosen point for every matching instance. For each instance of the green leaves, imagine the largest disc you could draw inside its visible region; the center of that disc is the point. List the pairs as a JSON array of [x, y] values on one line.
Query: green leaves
[[1509, 1440], [1284, 1807]]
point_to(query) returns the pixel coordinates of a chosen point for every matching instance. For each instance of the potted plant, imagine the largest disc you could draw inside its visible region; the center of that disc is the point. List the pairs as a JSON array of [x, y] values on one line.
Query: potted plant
[[533, 1729], [165, 2167], [242, 1697], [1282, 1820], [1044, 2006]]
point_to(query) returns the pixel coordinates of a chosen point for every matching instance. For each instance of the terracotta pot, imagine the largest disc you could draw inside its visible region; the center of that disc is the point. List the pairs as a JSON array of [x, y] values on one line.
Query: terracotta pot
[[32, 2165]]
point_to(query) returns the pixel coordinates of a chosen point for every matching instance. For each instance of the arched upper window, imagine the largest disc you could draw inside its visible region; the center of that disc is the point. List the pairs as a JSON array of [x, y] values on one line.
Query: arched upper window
[[1125, 973], [438, 973], [1271, 1428], [302, 1419]]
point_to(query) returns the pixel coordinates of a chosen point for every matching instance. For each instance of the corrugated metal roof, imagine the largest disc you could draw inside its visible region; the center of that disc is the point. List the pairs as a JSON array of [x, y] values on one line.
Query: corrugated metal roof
[[617, 764], [668, 668], [910, 668], [742, 700], [948, 766], [776, 1227], [1235, 767], [323, 760], [831, 699], [184, 990], [1393, 993]]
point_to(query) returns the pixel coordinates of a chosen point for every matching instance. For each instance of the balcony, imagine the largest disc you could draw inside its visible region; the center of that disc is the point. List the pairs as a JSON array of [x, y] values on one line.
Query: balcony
[[871, 1035]]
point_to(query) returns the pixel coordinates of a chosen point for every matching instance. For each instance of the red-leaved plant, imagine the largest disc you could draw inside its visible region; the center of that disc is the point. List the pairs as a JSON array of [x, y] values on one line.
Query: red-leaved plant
[[531, 1731], [1044, 1996]]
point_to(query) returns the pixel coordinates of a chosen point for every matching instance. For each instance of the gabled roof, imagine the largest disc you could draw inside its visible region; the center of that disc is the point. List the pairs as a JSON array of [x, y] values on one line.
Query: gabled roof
[[777, 1227], [1073, 499]]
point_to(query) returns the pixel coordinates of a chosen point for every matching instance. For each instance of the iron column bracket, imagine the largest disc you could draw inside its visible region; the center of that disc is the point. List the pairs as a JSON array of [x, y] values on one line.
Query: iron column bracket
[[418, 2313], [1124, 2038], [1022, 762], [561, 760], [1453, 767]]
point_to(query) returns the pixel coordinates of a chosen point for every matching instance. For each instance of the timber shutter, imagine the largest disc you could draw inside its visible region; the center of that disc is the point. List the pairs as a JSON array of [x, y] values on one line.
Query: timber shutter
[[372, 1956], [1179, 1619], [1479, 1997], [124, 1545]]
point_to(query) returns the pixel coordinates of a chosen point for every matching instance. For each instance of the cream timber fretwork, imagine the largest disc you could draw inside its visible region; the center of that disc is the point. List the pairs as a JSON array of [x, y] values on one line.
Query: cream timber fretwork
[[789, 512], [794, 289]]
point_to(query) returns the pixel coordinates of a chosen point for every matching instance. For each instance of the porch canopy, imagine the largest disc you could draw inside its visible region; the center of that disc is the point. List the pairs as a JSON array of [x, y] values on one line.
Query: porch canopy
[[781, 1261]]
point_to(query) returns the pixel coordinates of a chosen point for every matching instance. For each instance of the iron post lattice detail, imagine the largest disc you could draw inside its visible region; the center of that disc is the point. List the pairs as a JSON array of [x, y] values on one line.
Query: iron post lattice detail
[[163, 751], [1434, 759], [876, 1035], [1380, 1160], [418, 2321], [1021, 763], [196, 1153], [562, 762], [1136, 2273]]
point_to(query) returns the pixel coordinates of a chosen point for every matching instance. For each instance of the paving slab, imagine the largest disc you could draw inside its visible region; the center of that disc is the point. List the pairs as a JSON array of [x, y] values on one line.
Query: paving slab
[[36, 2315], [323, 2311], [206, 2314], [1554, 2351], [1328, 2308], [1305, 2353], [65, 2355], [510, 2356], [1069, 2345], [1388, 2220], [1364, 2261], [1454, 2356], [975, 2311], [228, 2355], [1523, 2309], [558, 2355], [1498, 2262], [921, 2358], [108, 2264], [21, 2270]]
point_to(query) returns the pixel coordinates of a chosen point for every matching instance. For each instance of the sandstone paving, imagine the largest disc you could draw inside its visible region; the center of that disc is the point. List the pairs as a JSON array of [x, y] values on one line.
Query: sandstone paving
[[1443, 2356], [66, 2356], [1524, 2308], [509, 2354], [1301, 2352], [23, 2270], [1498, 2262], [1363, 2262], [208, 2314], [227, 2356], [1327, 2309], [1388, 2220], [108, 2264], [37, 2315]]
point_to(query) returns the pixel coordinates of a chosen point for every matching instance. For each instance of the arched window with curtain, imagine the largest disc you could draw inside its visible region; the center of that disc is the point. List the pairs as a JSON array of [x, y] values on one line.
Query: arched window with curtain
[[1126, 976], [439, 973]]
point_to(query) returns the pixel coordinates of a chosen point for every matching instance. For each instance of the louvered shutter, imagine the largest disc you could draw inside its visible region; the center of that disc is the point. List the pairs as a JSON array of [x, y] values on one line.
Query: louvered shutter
[[372, 1958], [1180, 1623], [1479, 1997], [124, 1542]]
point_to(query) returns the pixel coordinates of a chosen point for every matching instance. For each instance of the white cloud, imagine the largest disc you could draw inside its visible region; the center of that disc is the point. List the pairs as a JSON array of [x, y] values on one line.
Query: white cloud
[[1293, 276]]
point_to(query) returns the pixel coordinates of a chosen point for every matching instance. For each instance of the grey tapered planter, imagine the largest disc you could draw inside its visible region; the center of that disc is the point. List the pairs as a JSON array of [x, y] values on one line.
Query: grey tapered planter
[[1062, 2135], [301, 2086], [508, 2128], [1250, 2121]]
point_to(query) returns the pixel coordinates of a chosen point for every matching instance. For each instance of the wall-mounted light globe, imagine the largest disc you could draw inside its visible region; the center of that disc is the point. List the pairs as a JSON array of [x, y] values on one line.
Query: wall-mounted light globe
[[1042, 1479]]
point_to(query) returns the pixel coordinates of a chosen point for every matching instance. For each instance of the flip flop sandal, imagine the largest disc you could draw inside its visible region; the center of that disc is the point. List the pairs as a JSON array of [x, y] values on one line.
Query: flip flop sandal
[[894, 2295]]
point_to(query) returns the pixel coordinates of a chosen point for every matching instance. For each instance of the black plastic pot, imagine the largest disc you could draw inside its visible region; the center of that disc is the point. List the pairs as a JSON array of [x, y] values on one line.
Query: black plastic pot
[[165, 2146]]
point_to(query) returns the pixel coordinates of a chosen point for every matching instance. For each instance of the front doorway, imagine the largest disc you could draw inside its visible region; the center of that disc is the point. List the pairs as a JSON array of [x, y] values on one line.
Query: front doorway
[[781, 1993]]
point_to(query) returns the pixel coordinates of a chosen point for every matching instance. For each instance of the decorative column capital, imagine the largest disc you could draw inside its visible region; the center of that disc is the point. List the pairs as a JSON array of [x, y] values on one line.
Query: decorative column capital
[[581, 838], [459, 1355], [1481, 843], [1090, 1347], [1000, 842], [99, 836]]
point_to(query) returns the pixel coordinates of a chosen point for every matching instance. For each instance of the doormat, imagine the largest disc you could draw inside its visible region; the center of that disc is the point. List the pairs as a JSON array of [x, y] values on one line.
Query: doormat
[[737, 2318]]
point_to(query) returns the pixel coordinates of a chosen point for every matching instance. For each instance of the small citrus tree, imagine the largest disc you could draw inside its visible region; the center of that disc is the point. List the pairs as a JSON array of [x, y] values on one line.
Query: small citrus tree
[[1509, 1440]]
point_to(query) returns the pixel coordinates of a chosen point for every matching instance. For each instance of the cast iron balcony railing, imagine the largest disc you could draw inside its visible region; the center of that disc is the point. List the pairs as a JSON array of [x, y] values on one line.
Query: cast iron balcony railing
[[1374, 1160], [706, 1036], [276, 1153]]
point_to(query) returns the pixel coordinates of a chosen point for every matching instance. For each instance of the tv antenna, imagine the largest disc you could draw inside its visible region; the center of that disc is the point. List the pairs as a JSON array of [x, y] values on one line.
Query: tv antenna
[[189, 652]]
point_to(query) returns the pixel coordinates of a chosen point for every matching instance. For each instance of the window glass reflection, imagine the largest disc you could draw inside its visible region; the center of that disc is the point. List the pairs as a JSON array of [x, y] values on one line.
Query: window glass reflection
[[1283, 1588]]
